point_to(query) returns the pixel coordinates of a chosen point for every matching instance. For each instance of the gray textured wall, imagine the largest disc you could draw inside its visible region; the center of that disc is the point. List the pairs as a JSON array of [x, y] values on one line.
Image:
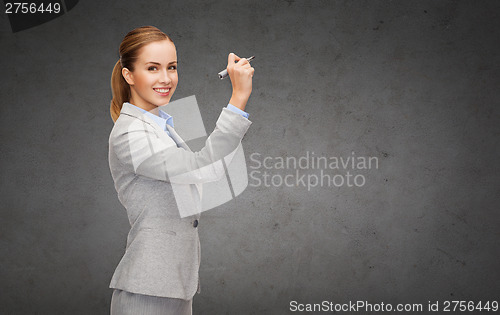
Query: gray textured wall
[[415, 84]]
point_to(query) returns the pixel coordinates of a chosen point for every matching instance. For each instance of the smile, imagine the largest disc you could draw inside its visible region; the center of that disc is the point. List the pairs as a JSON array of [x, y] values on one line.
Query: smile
[[162, 91]]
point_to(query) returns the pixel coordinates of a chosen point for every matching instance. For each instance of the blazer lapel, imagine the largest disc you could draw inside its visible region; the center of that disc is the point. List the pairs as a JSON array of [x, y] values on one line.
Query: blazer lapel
[[127, 109], [177, 138], [131, 111]]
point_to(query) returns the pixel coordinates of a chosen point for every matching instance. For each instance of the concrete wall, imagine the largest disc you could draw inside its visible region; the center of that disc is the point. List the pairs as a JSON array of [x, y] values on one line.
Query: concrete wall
[[413, 84]]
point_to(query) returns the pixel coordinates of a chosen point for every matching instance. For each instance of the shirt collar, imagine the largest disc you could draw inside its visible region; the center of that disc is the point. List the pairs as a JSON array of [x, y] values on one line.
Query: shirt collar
[[161, 120]]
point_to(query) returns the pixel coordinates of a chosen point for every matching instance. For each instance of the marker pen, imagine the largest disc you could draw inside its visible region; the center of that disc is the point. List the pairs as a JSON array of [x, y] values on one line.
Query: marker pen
[[224, 73]]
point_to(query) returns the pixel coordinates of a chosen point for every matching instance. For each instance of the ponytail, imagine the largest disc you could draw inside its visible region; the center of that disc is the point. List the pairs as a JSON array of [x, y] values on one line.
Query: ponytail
[[120, 90], [129, 48]]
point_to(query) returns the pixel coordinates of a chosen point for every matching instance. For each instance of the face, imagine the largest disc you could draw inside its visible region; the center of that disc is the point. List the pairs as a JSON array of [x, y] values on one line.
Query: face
[[154, 78]]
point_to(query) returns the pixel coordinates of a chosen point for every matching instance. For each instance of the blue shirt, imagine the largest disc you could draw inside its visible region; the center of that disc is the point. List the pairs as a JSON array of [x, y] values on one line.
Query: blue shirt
[[165, 118]]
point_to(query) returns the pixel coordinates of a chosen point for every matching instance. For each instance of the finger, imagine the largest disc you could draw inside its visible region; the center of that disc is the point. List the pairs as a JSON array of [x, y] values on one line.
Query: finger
[[243, 61], [232, 58], [245, 65]]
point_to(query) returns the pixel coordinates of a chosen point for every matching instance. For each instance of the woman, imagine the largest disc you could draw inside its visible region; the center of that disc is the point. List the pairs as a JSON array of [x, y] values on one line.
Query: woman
[[158, 273]]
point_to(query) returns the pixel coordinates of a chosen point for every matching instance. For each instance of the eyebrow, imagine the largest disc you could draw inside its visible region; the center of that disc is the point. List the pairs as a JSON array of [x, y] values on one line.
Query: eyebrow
[[157, 63]]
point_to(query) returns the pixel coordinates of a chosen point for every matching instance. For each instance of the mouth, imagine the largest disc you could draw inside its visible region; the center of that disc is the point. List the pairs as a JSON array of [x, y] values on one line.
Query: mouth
[[162, 91]]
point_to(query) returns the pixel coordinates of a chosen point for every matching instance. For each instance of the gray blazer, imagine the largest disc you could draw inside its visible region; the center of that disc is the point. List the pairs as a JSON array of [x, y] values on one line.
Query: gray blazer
[[156, 178]]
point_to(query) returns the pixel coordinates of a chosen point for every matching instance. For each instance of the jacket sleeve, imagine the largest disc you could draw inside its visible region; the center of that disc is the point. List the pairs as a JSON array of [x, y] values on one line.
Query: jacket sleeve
[[153, 157]]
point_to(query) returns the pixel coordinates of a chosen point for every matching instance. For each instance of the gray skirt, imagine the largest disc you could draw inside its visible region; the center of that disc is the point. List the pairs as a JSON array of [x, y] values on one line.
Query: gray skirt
[[126, 303]]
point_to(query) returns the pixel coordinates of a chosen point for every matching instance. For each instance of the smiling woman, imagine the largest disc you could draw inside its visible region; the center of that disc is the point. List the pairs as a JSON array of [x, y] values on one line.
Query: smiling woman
[[155, 78], [154, 54], [149, 162]]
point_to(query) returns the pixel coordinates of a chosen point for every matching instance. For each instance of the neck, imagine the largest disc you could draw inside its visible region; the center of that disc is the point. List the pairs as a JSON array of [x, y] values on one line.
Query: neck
[[147, 107]]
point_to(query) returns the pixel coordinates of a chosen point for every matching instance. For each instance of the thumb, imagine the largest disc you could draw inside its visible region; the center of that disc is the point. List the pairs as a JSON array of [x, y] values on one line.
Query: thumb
[[232, 58]]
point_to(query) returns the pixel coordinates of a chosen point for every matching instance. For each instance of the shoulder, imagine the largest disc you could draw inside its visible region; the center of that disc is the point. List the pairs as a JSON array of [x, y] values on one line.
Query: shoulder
[[130, 125]]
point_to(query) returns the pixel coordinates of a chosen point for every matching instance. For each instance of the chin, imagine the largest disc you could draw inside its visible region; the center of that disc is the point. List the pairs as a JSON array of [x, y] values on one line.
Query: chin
[[163, 103]]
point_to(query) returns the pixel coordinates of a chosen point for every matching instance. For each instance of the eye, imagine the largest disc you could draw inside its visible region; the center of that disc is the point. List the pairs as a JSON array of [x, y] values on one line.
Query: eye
[[152, 68], [173, 67]]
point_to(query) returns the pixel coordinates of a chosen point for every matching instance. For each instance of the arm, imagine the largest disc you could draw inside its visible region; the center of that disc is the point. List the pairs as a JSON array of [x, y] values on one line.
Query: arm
[[155, 158]]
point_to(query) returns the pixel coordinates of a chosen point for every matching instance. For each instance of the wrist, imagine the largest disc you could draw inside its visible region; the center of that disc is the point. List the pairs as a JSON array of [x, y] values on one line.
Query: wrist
[[238, 101]]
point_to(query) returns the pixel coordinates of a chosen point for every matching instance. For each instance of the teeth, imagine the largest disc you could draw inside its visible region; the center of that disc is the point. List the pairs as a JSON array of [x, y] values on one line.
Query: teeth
[[162, 90]]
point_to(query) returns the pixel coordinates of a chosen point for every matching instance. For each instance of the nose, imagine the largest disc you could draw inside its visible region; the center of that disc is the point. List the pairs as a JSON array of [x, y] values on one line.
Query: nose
[[164, 77]]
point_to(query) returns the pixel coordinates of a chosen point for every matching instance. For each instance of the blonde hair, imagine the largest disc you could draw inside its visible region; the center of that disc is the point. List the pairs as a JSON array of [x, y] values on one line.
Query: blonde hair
[[129, 48]]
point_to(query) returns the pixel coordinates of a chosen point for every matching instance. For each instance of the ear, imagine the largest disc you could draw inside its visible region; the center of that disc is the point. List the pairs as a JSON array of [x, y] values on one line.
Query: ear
[[128, 76]]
